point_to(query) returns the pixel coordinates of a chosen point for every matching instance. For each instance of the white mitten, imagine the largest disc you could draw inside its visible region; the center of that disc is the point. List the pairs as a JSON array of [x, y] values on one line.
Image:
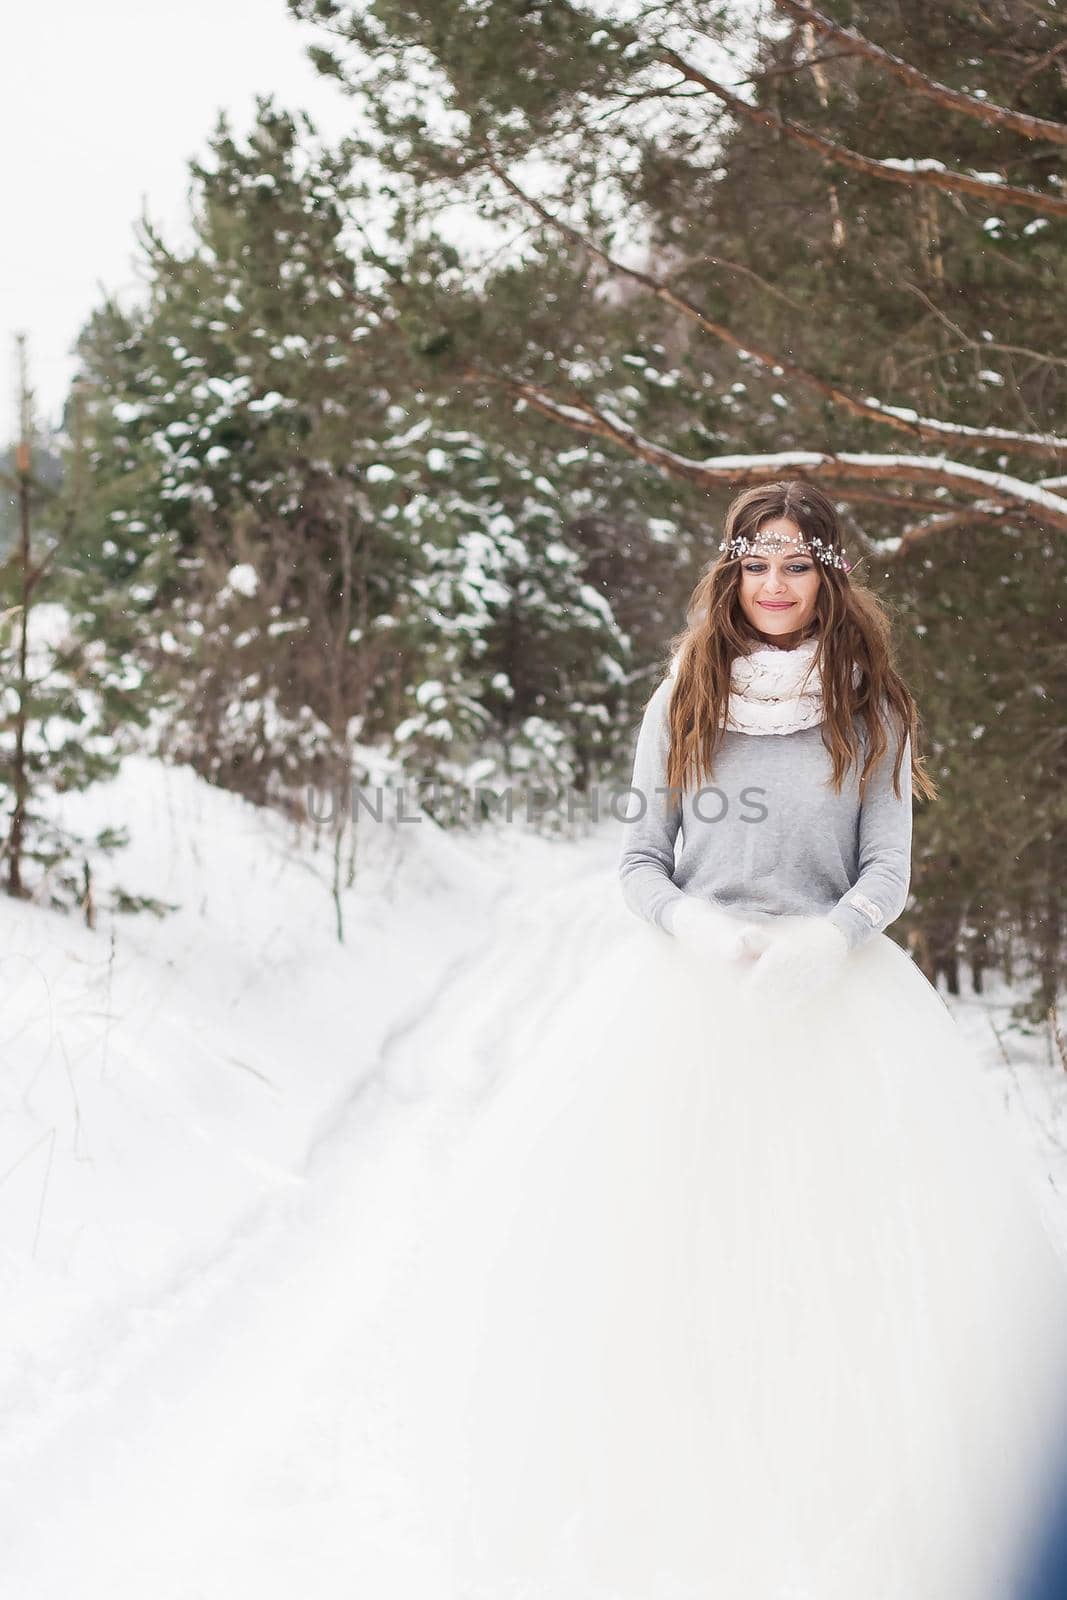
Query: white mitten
[[756, 936], [799, 961], [706, 931]]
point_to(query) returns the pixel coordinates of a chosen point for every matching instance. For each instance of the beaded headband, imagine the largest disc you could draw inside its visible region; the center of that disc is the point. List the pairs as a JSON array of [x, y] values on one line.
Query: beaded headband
[[828, 554]]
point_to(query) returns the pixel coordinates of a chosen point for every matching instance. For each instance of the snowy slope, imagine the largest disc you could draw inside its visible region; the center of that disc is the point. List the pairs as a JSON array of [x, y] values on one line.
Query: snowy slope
[[165, 1081], [218, 1136]]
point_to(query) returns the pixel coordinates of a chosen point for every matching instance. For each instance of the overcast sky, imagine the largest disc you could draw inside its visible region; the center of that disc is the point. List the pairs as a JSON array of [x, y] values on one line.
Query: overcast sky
[[104, 103]]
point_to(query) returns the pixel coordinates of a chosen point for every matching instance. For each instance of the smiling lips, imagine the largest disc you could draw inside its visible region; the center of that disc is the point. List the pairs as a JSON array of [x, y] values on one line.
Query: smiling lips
[[777, 605]]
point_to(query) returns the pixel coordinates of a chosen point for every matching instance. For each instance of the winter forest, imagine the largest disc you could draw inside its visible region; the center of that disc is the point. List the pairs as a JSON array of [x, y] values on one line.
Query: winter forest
[[370, 514]]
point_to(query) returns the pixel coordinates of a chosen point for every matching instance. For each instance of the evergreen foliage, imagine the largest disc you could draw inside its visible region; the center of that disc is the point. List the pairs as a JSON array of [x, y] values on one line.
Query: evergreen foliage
[[379, 493], [71, 701], [787, 286]]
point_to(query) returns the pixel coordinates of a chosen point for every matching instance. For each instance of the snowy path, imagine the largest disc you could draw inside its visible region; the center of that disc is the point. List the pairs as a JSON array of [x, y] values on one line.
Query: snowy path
[[220, 1435], [224, 1448]]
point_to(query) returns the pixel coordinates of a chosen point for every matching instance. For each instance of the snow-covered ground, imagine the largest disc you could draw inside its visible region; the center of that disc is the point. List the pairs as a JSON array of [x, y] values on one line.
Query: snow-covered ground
[[218, 1132]]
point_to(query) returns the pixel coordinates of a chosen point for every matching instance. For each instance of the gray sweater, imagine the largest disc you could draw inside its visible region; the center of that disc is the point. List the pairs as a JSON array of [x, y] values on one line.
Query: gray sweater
[[765, 835]]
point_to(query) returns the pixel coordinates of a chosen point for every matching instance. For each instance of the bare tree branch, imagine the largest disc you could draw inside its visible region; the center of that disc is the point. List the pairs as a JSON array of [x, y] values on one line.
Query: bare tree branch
[[943, 521], [987, 111], [742, 272], [792, 68], [969, 342]]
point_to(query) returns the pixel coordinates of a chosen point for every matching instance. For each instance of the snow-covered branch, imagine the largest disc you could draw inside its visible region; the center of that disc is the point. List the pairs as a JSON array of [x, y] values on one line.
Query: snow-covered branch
[[911, 172], [1002, 489], [987, 111]]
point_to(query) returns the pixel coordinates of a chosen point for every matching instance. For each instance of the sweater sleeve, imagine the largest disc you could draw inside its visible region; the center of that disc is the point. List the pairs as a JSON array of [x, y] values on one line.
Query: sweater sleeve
[[880, 891], [653, 817]]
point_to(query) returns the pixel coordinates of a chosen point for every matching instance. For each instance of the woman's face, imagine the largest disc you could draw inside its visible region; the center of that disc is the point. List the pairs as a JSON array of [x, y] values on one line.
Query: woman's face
[[779, 582]]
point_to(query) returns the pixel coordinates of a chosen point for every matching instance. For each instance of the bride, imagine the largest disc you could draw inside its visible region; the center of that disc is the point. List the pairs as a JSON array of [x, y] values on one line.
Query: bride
[[741, 1289]]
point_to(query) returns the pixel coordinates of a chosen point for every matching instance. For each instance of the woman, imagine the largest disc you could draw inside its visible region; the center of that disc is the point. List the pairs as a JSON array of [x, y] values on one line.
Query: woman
[[741, 1291]]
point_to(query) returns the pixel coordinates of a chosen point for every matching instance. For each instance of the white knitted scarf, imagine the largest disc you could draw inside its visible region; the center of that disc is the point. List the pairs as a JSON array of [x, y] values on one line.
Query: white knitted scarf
[[774, 690]]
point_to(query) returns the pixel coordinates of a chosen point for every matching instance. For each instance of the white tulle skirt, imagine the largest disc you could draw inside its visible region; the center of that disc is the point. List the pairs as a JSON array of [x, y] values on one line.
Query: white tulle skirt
[[715, 1306]]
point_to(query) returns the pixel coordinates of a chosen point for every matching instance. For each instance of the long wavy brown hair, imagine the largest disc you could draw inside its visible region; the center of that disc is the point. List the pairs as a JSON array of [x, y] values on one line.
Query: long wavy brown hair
[[852, 628]]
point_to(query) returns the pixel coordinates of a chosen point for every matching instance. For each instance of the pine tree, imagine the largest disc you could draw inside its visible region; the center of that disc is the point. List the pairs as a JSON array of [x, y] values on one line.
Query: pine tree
[[69, 700], [233, 417], [321, 556]]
